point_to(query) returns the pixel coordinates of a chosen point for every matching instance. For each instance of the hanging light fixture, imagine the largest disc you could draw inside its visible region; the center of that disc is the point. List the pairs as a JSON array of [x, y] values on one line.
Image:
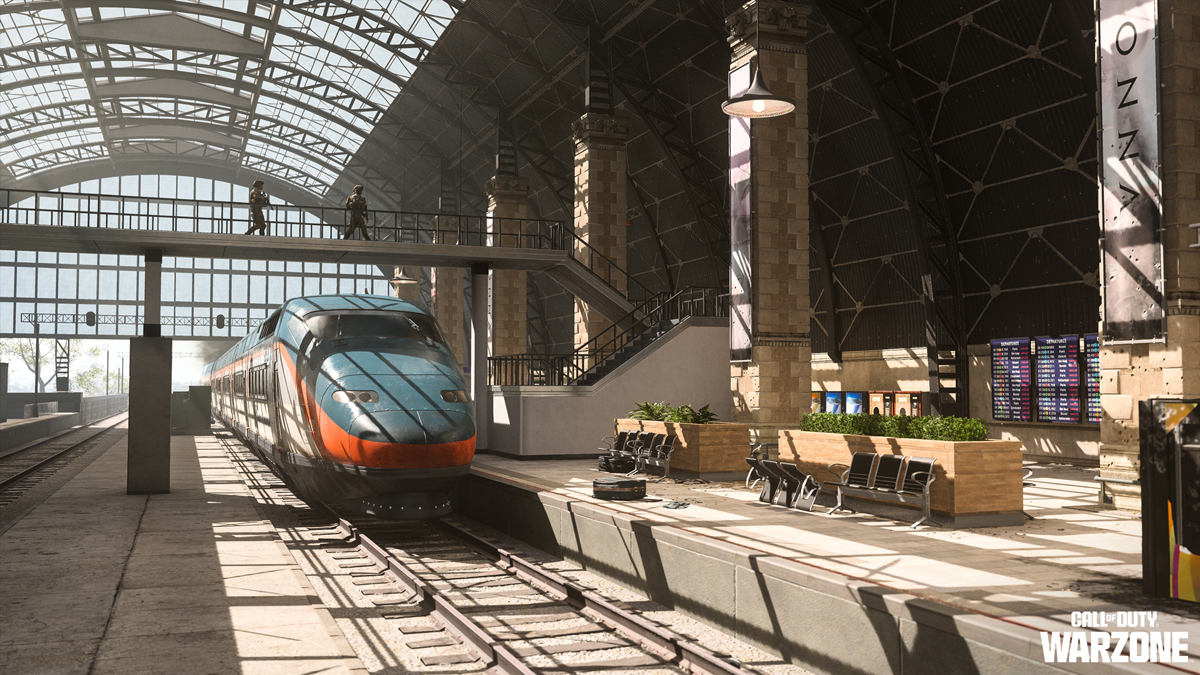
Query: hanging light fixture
[[758, 101], [399, 280]]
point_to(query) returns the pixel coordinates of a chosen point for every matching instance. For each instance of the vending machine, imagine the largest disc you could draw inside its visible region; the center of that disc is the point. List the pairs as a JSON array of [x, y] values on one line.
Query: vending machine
[[834, 402], [856, 402], [1169, 455], [907, 403], [880, 403]]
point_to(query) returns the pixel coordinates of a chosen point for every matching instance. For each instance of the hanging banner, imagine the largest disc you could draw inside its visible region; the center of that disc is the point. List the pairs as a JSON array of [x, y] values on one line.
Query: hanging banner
[[740, 333], [1131, 204]]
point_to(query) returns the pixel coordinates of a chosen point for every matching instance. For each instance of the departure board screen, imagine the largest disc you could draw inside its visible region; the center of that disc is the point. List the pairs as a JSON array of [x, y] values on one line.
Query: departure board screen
[[1091, 377], [1011, 380], [1057, 373]]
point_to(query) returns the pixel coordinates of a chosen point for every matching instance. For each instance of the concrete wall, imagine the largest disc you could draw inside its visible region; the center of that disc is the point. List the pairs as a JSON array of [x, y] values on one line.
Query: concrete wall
[[94, 408], [825, 622], [690, 364], [905, 370], [68, 401]]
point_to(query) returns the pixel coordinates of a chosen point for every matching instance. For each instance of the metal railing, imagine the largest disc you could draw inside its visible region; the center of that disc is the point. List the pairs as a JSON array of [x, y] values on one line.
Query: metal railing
[[155, 214], [591, 357]]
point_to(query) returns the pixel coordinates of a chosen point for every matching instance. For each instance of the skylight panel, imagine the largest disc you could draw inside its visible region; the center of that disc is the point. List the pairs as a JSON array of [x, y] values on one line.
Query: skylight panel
[[44, 94], [288, 158], [13, 155], [19, 29], [269, 106]]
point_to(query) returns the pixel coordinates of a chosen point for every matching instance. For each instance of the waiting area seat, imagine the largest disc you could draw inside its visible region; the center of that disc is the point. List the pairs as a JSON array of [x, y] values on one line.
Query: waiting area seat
[[649, 449], [784, 484], [891, 478]]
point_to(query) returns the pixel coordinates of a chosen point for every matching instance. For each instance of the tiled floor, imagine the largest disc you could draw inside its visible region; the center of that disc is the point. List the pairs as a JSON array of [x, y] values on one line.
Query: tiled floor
[[1070, 557], [97, 581]]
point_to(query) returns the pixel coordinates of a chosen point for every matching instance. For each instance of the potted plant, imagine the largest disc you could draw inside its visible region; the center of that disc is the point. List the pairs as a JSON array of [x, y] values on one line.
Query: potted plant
[[978, 481], [704, 446]]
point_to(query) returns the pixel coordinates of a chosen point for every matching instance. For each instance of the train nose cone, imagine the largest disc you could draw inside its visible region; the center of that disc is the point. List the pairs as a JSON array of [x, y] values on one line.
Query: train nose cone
[[408, 427]]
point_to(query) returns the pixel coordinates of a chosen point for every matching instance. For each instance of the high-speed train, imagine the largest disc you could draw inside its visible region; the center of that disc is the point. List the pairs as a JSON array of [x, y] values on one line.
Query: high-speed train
[[354, 399]]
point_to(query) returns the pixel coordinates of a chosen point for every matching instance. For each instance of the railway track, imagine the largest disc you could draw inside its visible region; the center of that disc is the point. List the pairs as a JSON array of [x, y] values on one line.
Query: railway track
[[461, 601], [495, 604], [24, 468]]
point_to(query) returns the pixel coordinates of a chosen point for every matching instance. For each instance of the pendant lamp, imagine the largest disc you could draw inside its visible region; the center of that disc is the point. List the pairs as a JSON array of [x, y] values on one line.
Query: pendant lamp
[[758, 101]]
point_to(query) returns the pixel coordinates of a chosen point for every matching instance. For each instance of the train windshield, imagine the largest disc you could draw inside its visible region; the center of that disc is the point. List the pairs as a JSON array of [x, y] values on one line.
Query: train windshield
[[384, 325]]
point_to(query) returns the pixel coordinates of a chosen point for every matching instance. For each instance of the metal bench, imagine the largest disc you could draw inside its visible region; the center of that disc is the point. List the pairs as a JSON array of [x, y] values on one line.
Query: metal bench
[[804, 495], [659, 455], [896, 478], [769, 480]]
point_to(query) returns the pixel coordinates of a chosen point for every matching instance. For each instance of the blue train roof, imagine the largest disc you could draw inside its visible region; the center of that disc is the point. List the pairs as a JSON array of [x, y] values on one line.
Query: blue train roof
[[325, 303]]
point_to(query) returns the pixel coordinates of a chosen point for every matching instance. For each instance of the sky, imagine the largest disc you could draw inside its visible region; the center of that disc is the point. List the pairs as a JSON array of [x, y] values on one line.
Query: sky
[[187, 363]]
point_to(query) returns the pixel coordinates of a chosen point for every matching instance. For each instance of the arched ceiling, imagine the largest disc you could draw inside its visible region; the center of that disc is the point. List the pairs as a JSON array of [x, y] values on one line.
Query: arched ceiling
[[288, 90], [408, 97]]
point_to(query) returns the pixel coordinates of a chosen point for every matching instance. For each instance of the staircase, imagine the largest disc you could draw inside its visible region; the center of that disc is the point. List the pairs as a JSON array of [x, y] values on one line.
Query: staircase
[[615, 346]]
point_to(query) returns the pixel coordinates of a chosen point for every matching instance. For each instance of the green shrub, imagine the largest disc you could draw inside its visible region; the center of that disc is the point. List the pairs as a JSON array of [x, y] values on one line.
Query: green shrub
[[684, 414], [931, 428], [656, 412]]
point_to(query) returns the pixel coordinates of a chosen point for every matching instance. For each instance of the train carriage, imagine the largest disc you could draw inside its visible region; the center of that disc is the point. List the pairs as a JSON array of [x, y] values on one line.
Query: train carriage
[[354, 399]]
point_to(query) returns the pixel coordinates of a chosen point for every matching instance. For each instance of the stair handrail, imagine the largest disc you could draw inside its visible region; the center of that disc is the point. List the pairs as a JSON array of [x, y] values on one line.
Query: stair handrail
[[577, 247], [566, 369]]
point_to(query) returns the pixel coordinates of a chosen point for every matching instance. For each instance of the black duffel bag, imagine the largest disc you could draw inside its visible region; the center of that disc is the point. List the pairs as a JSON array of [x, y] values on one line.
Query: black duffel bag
[[616, 463], [620, 489]]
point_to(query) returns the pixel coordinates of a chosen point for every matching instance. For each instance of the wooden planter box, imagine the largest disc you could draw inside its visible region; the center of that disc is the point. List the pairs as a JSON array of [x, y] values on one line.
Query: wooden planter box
[[701, 449], [978, 484]]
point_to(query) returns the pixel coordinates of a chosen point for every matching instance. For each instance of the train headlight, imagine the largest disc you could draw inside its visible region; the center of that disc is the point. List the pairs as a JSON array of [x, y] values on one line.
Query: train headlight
[[346, 396], [455, 396]]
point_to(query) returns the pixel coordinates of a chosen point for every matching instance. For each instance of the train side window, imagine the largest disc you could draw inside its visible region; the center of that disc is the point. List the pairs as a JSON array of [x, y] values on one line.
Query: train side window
[[239, 384], [268, 326], [324, 327]]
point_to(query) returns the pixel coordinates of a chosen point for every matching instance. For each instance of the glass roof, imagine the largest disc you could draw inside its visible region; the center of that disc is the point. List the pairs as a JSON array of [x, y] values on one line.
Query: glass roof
[[291, 87]]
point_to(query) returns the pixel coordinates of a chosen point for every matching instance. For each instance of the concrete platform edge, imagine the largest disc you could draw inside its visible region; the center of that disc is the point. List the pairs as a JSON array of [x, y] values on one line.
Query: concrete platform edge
[[350, 658], [826, 622]]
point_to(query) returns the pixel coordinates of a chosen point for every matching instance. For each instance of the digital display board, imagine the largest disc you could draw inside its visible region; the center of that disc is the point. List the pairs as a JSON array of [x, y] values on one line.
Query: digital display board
[[1011, 380], [818, 401], [1057, 375], [1091, 378]]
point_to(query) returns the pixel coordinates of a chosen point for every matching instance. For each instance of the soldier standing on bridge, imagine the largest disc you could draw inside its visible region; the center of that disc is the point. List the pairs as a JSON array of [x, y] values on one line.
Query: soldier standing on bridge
[[258, 199], [356, 204]]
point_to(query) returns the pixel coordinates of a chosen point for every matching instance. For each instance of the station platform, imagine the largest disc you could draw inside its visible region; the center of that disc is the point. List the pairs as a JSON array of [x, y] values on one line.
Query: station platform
[[195, 581], [850, 592], [96, 581]]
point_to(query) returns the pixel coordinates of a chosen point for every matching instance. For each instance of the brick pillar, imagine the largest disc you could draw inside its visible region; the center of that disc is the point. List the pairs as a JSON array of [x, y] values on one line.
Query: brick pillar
[[773, 387], [508, 198], [1131, 373], [600, 207], [447, 294]]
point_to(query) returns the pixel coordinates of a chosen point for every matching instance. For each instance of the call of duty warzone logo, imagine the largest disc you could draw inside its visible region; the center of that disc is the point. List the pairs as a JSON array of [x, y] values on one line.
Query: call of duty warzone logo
[[1120, 646]]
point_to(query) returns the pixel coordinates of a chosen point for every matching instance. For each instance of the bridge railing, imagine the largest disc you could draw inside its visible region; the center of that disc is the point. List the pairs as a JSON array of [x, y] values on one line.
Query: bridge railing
[[155, 214], [19, 207]]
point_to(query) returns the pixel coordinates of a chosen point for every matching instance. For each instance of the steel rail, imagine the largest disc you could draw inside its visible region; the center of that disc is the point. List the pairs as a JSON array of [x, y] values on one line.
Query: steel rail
[[682, 653], [25, 473]]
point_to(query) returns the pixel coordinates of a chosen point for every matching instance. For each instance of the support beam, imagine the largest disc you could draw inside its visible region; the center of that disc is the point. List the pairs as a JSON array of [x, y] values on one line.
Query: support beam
[[600, 208], [508, 197], [479, 353], [149, 460], [772, 371]]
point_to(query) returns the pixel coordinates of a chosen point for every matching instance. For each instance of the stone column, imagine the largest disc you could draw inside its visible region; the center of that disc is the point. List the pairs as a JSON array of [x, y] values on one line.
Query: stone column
[[600, 207], [508, 200], [773, 387], [148, 464], [1131, 373], [448, 292]]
